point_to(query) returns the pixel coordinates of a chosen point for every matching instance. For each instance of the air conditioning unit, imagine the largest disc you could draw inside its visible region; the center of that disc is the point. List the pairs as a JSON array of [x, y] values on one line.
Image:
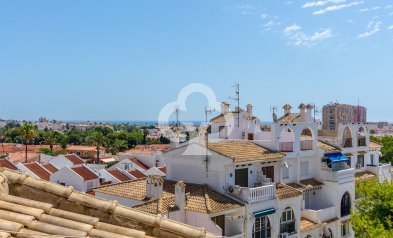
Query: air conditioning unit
[[284, 235]]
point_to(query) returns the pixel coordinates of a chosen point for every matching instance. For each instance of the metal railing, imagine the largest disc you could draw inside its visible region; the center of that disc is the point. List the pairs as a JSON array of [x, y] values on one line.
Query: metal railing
[[288, 227]]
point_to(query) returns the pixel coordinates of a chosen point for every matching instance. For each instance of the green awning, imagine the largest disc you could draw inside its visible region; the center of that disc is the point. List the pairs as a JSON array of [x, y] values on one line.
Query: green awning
[[265, 213]]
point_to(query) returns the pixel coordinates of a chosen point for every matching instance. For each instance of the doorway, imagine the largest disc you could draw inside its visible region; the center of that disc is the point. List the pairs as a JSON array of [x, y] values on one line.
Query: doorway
[[241, 177]]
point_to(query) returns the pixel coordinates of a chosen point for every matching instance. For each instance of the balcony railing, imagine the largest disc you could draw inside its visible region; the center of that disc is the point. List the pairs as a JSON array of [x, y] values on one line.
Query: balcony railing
[[348, 143], [306, 144], [340, 176], [255, 195], [288, 227], [286, 146]]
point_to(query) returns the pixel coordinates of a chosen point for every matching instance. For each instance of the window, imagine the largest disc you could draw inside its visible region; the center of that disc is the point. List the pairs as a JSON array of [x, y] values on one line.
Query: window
[[287, 222], [222, 132], [78, 153], [345, 205], [360, 162], [85, 153], [262, 228], [345, 229], [220, 222], [372, 160]]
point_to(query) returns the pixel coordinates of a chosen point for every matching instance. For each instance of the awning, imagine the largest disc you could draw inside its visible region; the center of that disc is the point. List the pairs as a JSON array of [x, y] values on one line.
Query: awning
[[336, 157], [265, 213]]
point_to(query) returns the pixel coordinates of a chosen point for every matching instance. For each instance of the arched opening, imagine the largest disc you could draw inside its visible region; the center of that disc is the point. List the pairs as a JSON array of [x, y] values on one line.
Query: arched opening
[[327, 233], [286, 140], [347, 138], [288, 222], [345, 205], [262, 228], [362, 137], [306, 139]]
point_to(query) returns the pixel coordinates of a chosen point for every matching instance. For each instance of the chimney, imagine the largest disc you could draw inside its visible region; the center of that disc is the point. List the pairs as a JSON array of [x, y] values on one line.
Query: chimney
[[287, 109], [249, 108], [224, 108], [180, 198], [154, 187], [302, 109], [309, 108]]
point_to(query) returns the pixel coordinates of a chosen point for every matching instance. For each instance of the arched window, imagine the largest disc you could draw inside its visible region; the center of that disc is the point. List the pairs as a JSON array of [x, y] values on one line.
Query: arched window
[[286, 140], [288, 222], [345, 205], [262, 228], [306, 139], [327, 233], [347, 138], [362, 137]]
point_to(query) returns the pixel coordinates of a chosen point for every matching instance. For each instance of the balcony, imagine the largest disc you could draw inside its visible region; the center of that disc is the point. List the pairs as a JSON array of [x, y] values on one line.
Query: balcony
[[286, 146], [319, 215], [255, 195], [341, 176], [306, 145]]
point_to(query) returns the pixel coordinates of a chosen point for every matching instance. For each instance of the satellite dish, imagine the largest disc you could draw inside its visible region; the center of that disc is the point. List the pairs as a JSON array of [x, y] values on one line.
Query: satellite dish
[[275, 120]]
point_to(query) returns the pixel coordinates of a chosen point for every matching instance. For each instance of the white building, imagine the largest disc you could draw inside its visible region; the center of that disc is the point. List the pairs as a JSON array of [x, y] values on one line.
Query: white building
[[81, 178]]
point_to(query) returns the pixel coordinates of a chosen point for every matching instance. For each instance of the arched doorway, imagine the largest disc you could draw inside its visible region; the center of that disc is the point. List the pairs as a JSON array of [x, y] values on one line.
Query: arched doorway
[[262, 228], [345, 205]]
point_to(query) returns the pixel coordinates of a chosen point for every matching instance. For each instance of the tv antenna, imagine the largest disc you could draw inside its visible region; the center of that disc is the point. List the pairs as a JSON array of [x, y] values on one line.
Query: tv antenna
[[274, 110], [208, 111], [177, 116], [237, 99], [317, 111]]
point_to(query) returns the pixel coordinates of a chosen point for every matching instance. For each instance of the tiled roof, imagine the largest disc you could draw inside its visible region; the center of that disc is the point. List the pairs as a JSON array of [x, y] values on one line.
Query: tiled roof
[[327, 148], [243, 151], [74, 159], [118, 174], [20, 156], [81, 148], [288, 118], [285, 191], [50, 167], [375, 145], [223, 118], [162, 169], [366, 175], [85, 173], [137, 174], [307, 184], [307, 225], [7, 164], [199, 198], [36, 169], [140, 164], [66, 212]]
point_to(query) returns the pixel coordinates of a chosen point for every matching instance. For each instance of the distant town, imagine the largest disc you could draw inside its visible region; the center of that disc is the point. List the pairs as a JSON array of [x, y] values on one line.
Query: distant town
[[233, 177]]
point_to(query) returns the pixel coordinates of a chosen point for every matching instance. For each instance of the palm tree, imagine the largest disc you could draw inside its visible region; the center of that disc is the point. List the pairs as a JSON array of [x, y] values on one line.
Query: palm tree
[[63, 140], [96, 139], [50, 139], [27, 132]]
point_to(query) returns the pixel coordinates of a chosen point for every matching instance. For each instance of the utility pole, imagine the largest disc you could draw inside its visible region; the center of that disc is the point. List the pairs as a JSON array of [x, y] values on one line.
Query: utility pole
[[208, 111], [237, 99], [177, 116]]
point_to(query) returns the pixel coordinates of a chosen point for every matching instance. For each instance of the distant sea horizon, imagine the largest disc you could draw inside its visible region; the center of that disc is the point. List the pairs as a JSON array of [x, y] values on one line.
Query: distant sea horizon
[[143, 123]]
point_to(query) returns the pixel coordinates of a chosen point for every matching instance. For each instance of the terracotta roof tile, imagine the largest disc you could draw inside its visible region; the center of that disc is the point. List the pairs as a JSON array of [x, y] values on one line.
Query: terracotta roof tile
[[375, 145], [140, 164], [118, 174], [285, 191], [137, 174], [50, 167], [327, 148], [38, 170], [85, 173], [223, 118], [288, 118], [366, 175], [162, 169], [307, 184], [74, 159], [243, 151], [7, 164], [307, 225]]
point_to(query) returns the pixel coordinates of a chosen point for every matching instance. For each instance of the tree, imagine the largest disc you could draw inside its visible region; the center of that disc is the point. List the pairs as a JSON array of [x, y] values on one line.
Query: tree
[[96, 139], [373, 212], [50, 138], [27, 132], [63, 140]]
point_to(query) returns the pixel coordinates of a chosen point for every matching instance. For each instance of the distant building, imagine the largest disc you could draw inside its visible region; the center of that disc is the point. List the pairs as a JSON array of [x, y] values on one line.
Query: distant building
[[335, 113]]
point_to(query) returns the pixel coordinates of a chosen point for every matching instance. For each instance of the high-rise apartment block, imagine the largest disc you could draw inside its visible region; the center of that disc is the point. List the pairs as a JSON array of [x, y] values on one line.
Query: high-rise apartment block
[[334, 114]]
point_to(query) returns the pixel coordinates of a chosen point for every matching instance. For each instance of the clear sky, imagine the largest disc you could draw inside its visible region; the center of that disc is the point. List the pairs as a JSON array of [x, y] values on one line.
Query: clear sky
[[124, 60]]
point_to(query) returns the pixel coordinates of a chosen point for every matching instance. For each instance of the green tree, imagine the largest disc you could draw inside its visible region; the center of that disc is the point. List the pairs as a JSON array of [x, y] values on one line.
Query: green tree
[[373, 212], [96, 139], [27, 132], [2, 139], [63, 141], [50, 138], [46, 151]]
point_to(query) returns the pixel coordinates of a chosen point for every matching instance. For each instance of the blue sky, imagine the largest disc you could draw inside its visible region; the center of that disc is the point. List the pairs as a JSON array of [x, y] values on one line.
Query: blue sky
[[125, 60]]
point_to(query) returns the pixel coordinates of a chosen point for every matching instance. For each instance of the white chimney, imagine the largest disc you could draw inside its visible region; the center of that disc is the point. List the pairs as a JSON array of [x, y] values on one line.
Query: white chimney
[[224, 108], [309, 108], [154, 187], [180, 198], [249, 108], [287, 109]]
